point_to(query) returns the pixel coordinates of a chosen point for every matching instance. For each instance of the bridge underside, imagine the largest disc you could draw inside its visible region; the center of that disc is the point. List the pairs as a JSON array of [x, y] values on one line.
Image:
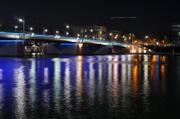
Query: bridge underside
[[73, 48], [23, 49], [86, 49]]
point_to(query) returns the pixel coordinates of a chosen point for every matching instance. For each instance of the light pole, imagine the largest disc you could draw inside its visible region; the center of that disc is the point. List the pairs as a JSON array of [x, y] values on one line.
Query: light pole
[[22, 20]]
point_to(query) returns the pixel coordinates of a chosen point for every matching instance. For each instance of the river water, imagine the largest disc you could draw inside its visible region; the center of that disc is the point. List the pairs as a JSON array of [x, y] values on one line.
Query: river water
[[90, 87]]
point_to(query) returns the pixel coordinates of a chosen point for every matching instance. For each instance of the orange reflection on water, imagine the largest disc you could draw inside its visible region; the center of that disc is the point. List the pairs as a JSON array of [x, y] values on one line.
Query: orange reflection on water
[[154, 58], [163, 71], [153, 63], [135, 79], [163, 59]]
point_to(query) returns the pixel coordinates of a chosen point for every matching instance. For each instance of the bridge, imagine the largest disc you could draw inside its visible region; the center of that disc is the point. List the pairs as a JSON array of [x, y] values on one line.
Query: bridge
[[57, 38], [54, 44]]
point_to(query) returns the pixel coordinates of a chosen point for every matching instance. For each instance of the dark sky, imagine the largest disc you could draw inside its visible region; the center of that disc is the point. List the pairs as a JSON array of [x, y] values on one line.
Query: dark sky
[[152, 16]]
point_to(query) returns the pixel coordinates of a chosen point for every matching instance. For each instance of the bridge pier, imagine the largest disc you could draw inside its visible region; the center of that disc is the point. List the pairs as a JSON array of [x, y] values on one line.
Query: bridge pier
[[11, 48]]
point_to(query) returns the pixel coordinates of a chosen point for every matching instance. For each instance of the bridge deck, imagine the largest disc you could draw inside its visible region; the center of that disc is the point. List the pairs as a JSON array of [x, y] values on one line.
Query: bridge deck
[[17, 36]]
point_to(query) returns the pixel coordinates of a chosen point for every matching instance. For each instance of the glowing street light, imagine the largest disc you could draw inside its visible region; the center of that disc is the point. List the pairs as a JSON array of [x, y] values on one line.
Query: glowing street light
[[21, 20], [15, 27], [57, 32], [91, 30], [146, 37], [67, 26], [110, 34], [78, 35], [31, 28], [116, 36], [67, 33], [45, 31]]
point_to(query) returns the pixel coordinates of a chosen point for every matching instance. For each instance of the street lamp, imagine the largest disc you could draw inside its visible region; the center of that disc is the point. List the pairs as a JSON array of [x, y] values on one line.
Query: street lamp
[[111, 35], [21, 20], [67, 26], [91, 30], [146, 37], [15, 27], [86, 36], [57, 32], [78, 35], [31, 28], [67, 33], [45, 31]]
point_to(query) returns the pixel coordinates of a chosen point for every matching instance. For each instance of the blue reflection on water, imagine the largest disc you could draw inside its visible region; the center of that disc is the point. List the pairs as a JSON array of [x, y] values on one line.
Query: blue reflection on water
[[86, 87]]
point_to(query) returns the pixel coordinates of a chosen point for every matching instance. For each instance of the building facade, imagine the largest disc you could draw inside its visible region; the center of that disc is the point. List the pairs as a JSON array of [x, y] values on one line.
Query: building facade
[[91, 32], [175, 34]]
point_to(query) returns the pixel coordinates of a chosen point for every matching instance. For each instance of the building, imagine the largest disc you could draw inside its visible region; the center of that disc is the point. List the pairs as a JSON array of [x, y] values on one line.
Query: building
[[91, 32], [114, 35], [175, 34]]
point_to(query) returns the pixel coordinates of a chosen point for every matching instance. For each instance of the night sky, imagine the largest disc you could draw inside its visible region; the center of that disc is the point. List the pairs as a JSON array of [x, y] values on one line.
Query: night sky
[[152, 16]]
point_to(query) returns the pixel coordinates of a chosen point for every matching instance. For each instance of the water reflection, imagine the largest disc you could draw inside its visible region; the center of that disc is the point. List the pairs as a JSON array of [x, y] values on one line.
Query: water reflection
[[81, 86], [79, 79], [19, 92]]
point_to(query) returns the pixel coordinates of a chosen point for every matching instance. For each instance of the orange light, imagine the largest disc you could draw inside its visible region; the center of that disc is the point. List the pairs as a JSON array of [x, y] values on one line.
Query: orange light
[[80, 45]]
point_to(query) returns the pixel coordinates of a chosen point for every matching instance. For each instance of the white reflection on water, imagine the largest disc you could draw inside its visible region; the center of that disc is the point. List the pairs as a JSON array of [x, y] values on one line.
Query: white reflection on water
[[100, 78], [45, 91], [32, 89], [79, 81], [146, 74], [115, 87], [46, 75], [123, 69], [91, 89], [67, 85], [109, 85], [19, 92], [125, 82], [57, 82], [146, 82]]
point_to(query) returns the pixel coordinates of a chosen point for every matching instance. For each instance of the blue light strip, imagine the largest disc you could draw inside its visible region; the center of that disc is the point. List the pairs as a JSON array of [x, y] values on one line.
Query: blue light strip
[[68, 44], [11, 41]]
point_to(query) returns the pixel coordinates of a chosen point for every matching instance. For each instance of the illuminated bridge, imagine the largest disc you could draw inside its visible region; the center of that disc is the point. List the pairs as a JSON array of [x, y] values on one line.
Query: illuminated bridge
[[56, 38], [12, 43]]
